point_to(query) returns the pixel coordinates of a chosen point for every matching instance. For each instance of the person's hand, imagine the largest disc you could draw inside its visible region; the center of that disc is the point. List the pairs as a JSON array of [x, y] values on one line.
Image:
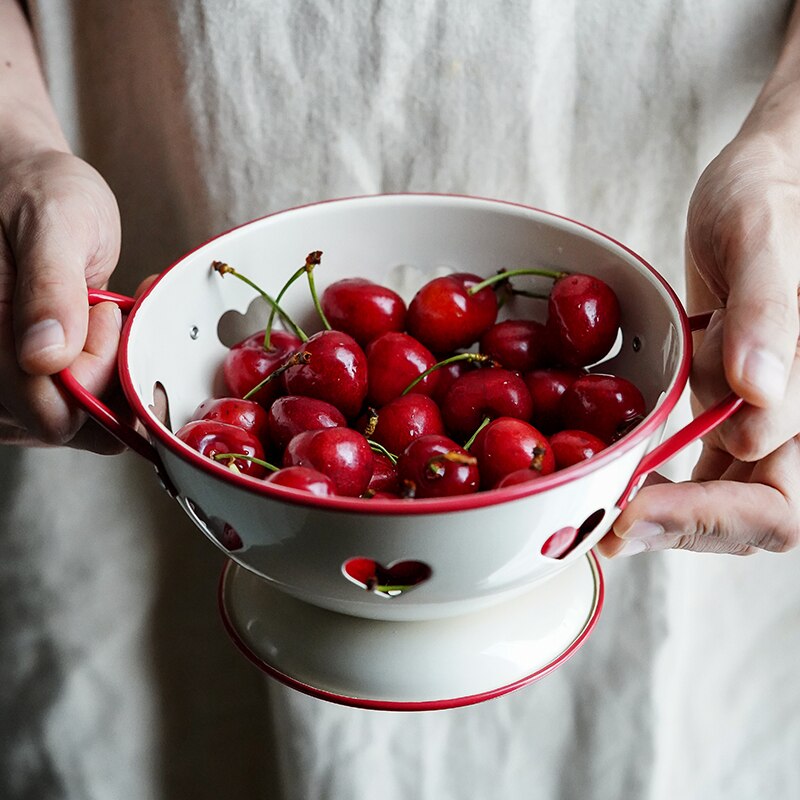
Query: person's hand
[[743, 240], [59, 234]]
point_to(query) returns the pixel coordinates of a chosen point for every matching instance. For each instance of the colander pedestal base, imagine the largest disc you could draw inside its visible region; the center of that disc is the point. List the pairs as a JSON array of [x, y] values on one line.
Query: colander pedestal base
[[412, 666]]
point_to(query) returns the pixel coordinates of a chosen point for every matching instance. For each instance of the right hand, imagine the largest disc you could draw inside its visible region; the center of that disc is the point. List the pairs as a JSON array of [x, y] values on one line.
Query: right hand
[[59, 235]]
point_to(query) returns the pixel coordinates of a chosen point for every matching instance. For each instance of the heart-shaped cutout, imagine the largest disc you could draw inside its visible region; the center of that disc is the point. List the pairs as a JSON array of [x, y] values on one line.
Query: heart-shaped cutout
[[393, 580]]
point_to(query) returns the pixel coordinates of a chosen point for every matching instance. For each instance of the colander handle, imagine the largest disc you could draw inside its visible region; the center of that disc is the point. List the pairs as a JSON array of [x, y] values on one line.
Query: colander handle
[[100, 412], [699, 427]]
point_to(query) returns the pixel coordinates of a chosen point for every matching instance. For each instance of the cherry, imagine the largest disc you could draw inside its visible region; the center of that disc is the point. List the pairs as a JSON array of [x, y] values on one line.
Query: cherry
[[305, 478], [406, 418], [447, 377], [516, 344], [393, 361], [363, 309], [247, 363], [547, 386], [336, 371], [604, 405], [435, 466], [294, 414], [344, 455], [506, 445], [571, 447], [384, 476], [245, 414], [484, 393], [445, 316], [525, 475], [212, 438], [583, 319]]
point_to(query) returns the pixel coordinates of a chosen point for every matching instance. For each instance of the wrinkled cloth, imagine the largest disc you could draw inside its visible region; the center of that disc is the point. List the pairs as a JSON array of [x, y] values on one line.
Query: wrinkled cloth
[[116, 678]]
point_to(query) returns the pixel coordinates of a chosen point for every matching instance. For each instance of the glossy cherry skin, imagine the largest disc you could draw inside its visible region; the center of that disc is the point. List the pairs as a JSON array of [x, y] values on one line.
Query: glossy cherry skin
[[247, 363], [435, 466], [294, 414], [211, 438], [547, 387], [344, 455], [525, 475], [571, 447], [506, 445], [407, 418], [305, 478], [245, 414], [447, 377], [490, 392], [394, 360], [384, 476], [363, 309], [516, 344], [604, 405], [336, 372], [583, 318], [445, 317]]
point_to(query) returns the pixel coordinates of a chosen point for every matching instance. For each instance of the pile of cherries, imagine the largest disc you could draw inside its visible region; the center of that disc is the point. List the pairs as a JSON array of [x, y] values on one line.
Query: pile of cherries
[[395, 401]]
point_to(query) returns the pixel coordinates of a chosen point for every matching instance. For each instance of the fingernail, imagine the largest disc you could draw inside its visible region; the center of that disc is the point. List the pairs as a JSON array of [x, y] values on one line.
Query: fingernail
[[118, 317], [641, 529], [41, 337], [765, 371], [631, 548]]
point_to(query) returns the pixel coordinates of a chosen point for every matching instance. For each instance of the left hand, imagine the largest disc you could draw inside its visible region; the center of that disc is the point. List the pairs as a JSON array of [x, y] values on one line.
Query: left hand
[[743, 241]]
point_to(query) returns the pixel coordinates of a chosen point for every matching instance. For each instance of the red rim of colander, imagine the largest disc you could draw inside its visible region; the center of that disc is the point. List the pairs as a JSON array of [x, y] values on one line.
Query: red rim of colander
[[410, 705], [426, 505]]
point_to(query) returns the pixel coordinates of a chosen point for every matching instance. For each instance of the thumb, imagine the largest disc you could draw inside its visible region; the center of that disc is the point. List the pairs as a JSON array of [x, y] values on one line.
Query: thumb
[[761, 324]]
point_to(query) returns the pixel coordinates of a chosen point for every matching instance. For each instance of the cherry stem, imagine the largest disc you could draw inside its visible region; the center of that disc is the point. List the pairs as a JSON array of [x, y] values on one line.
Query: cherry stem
[[377, 447], [300, 357], [312, 260], [538, 459], [226, 269], [478, 358], [532, 295], [281, 293], [469, 442], [436, 468], [511, 273], [231, 457], [372, 422]]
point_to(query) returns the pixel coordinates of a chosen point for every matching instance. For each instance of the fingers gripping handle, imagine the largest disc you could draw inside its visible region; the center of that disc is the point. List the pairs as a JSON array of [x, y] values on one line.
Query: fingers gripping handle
[[100, 412], [699, 427]]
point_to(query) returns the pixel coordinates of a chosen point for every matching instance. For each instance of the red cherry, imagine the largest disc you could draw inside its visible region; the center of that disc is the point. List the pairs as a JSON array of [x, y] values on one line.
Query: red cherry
[[519, 476], [435, 466], [484, 393], [336, 372], [444, 316], [363, 309], [247, 363], [211, 438], [571, 447], [604, 405], [344, 455], [305, 478], [406, 418], [516, 344], [447, 377], [583, 319], [245, 414], [384, 476], [547, 387], [507, 445], [294, 414], [393, 361]]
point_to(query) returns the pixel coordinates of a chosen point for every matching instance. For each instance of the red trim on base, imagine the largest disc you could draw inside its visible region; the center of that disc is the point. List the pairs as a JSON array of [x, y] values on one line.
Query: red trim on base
[[407, 705]]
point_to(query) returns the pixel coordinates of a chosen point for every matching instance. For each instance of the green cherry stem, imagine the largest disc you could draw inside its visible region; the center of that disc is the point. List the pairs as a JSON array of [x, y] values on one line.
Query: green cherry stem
[[478, 358], [377, 447], [301, 357], [532, 295], [511, 273], [231, 457], [469, 442], [226, 269], [273, 311], [312, 260]]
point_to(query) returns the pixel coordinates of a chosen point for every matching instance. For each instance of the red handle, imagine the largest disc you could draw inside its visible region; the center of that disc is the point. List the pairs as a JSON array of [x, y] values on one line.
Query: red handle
[[100, 412], [696, 429]]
